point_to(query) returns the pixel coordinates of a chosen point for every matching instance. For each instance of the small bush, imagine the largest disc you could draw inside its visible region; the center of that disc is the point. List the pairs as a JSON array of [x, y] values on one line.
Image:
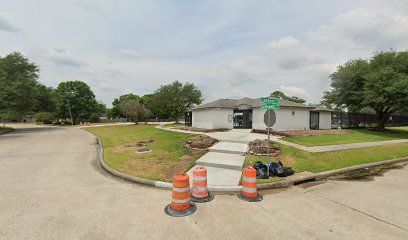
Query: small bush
[[44, 117], [94, 118]]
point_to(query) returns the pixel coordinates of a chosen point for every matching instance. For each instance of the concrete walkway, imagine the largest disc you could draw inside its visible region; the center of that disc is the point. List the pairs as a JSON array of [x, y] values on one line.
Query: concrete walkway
[[50, 188], [224, 164], [329, 148]]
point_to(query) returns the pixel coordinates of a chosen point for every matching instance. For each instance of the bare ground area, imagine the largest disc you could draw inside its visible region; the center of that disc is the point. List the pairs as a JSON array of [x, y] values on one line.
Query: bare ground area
[[304, 133], [200, 142], [203, 129], [260, 148]]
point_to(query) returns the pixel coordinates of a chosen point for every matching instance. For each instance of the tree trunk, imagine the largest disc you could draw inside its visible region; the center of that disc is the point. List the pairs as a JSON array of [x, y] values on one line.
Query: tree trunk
[[381, 120]]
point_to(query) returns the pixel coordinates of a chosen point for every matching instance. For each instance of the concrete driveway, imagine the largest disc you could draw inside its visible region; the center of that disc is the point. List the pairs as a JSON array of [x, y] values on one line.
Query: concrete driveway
[[50, 188]]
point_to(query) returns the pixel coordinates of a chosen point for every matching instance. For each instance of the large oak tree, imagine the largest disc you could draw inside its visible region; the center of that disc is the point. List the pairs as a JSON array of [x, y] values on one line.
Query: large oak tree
[[174, 99], [380, 83]]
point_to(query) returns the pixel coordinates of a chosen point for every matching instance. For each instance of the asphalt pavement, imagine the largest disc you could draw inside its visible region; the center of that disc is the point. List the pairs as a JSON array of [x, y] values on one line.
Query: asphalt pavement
[[52, 188]]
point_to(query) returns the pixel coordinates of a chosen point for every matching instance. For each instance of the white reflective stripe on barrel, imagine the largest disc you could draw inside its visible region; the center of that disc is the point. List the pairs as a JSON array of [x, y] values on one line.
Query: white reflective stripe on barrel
[[199, 179], [247, 179], [249, 190], [180, 201], [181, 189], [200, 188]]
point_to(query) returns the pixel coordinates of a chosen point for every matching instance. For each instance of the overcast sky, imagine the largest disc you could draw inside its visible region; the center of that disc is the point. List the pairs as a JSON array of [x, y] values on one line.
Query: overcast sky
[[229, 49]]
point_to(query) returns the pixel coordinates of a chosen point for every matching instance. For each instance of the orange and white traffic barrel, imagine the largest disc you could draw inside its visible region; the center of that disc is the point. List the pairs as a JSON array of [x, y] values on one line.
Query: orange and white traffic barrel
[[180, 203], [249, 191], [200, 192]]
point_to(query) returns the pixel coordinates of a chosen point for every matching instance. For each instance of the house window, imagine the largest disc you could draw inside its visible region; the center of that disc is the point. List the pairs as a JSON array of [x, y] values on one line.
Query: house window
[[293, 113]]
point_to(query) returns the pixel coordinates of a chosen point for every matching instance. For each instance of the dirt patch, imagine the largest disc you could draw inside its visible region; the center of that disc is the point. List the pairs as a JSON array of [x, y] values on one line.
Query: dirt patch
[[140, 166], [138, 144], [304, 133], [287, 160], [186, 162], [200, 142], [204, 129], [260, 148], [119, 149]]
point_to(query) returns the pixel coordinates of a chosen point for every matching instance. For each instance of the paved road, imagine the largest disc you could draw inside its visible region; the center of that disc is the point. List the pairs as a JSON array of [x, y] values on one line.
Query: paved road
[[50, 188]]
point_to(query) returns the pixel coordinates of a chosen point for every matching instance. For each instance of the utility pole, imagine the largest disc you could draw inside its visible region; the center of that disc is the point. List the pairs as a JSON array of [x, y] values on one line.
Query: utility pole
[[70, 114]]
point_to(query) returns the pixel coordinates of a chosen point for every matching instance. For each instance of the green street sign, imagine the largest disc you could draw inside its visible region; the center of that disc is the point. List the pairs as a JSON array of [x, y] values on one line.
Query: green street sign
[[269, 103]]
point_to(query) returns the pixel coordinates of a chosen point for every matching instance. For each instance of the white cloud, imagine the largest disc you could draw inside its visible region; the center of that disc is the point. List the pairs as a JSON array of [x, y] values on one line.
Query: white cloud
[[63, 58], [294, 91], [283, 43], [131, 53]]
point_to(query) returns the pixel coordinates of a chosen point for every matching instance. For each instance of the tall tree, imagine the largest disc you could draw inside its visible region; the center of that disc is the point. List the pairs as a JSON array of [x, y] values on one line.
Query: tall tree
[[115, 110], [380, 83], [46, 99], [134, 110], [175, 99], [18, 82], [281, 95], [77, 97]]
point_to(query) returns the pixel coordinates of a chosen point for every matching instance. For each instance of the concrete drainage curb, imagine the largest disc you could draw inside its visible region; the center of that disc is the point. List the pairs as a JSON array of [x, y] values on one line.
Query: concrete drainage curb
[[234, 189]]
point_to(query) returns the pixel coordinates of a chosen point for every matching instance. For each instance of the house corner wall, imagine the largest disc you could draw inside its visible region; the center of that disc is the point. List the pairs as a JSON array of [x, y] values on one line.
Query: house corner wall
[[285, 121], [212, 118]]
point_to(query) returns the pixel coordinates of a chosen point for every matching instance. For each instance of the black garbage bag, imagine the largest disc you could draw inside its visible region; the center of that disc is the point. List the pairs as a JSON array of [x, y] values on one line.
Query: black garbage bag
[[277, 169], [261, 170]]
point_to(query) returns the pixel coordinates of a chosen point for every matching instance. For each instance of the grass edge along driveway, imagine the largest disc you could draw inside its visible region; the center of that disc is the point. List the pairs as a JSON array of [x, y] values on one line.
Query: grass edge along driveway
[[301, 160], [4, 130], [354, 136], [168, 156]]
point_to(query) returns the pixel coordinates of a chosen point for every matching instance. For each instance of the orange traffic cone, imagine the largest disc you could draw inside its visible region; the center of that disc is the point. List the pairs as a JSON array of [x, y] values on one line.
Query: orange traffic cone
[[249, 191], [180, 205], [200, 192]]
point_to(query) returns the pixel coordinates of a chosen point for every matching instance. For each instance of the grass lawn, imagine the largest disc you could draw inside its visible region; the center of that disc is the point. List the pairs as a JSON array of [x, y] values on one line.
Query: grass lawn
[[4, 130], [168, 156], [301, 160], [354, 136]]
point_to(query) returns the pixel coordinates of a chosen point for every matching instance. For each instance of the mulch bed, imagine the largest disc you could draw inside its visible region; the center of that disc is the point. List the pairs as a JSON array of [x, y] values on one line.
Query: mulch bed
[[203, 129], [303, 133], [200, 142], [260, 148]]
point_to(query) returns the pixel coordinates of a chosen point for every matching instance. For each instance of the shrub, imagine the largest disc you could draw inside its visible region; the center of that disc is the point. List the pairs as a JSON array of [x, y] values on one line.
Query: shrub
[[44, 117], [94, 118]]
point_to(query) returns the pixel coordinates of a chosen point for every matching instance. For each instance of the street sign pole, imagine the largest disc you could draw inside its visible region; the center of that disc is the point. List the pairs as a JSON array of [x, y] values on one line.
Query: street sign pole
[[269, 133]]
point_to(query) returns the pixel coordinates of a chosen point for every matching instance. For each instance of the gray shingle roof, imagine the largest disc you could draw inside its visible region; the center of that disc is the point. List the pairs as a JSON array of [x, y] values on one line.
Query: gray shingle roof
[[253, 103]]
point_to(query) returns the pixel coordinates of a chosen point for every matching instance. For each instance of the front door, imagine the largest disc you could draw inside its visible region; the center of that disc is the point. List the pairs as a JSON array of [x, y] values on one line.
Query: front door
[[243, 119], [314, 120]]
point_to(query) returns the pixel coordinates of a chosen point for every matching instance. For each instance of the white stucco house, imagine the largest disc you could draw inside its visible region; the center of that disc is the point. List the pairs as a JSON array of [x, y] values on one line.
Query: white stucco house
[[246, 113]]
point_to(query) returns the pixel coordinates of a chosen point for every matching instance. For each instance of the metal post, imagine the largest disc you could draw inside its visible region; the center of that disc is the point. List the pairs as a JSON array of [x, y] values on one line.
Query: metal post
[[269, 133]]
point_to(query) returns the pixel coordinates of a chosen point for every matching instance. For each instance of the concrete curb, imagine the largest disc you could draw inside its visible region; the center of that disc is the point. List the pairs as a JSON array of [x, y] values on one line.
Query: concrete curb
[[326, 174], [234, 189]]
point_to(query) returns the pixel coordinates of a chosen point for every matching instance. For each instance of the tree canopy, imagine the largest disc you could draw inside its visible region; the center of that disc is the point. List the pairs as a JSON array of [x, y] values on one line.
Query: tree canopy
[[134, 110], [115, 110], [281, 95], [380, 83], [79, 97], [21, 93], [174, 99]]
